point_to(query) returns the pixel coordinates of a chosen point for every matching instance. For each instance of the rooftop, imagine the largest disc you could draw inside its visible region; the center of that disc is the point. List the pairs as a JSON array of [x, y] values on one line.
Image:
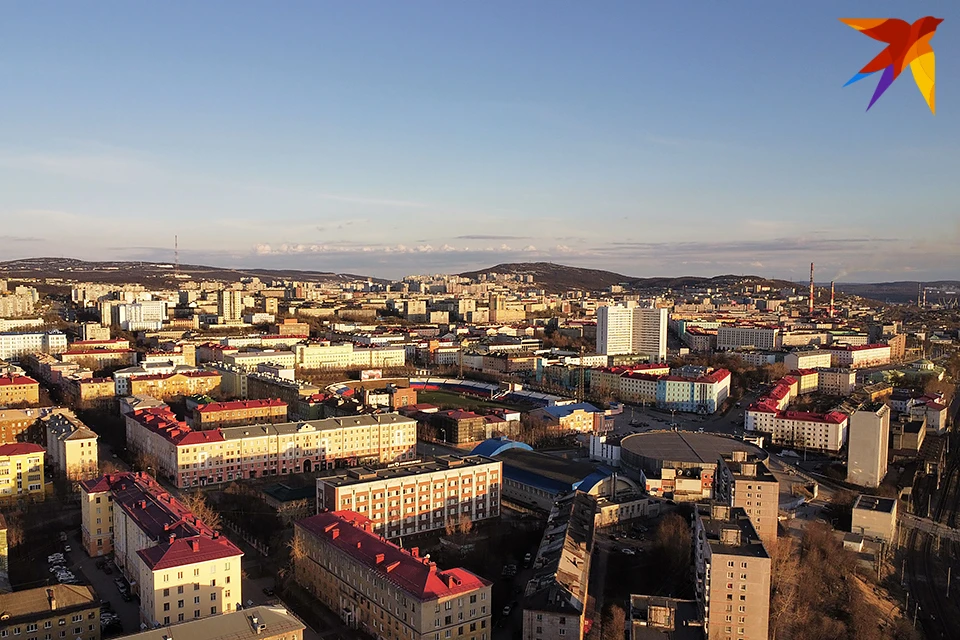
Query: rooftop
[[359, 475], [35, 603], [238, 405], [14, 379], [728, 530], [562, 568], [235, 625], [352, 534], [661, 618], [19, 449], [177, 552], [685, 446], [875, 503]]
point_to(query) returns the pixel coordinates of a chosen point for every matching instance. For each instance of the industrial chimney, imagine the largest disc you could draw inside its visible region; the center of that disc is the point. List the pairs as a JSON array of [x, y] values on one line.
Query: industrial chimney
[[831, 298], [810, 309]]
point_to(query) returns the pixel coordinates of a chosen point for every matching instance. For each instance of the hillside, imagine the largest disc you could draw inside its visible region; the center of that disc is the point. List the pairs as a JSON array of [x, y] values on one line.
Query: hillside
[[903, 291], [151, 273], [558, 277]]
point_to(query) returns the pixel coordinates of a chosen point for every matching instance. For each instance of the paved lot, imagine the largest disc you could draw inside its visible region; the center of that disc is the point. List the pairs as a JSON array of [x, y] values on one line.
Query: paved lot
[[85, 568]]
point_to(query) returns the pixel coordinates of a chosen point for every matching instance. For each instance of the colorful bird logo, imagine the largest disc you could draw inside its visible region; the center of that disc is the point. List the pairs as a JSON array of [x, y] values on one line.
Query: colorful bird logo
[[906, 44]]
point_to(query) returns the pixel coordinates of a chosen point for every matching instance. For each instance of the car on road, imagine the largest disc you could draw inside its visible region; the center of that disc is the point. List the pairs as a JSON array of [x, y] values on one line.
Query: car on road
[[506, 611], [267, 591], [700, 430], [526, 560], [628, 551]]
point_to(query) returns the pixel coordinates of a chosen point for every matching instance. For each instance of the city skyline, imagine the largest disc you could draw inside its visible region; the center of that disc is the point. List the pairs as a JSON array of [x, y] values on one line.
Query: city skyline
[[392, 140]]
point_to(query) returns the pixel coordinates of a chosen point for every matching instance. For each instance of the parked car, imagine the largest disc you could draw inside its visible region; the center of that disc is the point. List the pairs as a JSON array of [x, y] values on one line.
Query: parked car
[[506, 611], [267, 591], [526, 560]]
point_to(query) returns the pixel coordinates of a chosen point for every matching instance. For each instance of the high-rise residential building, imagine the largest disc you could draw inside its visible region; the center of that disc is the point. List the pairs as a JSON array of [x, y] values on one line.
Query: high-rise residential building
[[417, 497], [765, 338], [869, 442], [15, 345], [732, 573], [743, 480], [555, 599], [145, 315], [230, 305], [629, 330], [383, 589], [180, 568]]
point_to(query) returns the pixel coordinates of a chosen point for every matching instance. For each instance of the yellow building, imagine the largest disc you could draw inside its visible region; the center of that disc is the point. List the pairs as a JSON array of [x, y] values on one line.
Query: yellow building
[[174, 385], [71, 446], [17, 389], [179, 567], [58, 611], [21, 471], [387, 591]]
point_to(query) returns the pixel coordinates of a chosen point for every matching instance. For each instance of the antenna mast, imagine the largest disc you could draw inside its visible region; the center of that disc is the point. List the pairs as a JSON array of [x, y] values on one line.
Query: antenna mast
[[810, 305]]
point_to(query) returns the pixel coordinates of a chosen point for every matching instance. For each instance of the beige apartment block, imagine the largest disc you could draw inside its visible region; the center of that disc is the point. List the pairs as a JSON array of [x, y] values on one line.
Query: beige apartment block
[[732, 574], [742, 480], [416, 497], [179, 567], [71, 446], [384, 590]]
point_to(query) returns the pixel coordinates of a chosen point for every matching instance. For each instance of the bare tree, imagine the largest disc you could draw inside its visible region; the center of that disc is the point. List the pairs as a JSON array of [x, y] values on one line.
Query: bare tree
[[784, 586], [614, 623], [465, 525], [450, 528], [672, 546], [197, 503]]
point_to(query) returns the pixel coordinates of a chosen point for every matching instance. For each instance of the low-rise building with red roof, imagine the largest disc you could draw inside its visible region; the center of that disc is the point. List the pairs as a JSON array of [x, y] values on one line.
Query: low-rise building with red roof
[[378, 585], [238, 412], [180, 568], [17, 389]]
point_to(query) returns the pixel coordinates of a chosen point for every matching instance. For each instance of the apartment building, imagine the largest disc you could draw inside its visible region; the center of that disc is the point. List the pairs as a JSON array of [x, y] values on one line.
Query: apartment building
[[555, 598], [261, 386], [703, 394], [18, 389], [143, 315], [237, 413], [190, 458], [255, 623], [56, 611], [416, 497], [290, 327], [15, 306], [739, 337], [97, 359], [179, 567], [21, 472], [874, 517], [385, 590], [808, 359], [854, 357], [732, 573], [13, 422], [14, 345], [743, 480], [88, 393], [868, 452], [629, 330], [230, 305], [836, 382], [248, 360], [71, 446], [167, 386], [345, 355], [819, 431]]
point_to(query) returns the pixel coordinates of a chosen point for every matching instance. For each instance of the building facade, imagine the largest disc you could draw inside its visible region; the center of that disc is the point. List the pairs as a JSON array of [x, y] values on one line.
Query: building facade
[[59, 610], [632, 330], [764, 338], [384, 590], [192, 458], [18, 390], [237, 413], [17, 344], [417, 497], [732, 573], [869, 445], [21, 472], [742, 480], [555, 599], [71, 446]]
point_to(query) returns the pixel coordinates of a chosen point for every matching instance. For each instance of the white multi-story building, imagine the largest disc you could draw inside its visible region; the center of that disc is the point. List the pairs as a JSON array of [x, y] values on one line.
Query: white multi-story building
[[812, 359], [416, 497], [71, 446], [230, 305], [836, 382], [867, 455], [819, 431], [324, 355], [765, 338], [627, 330], [15, 345], [868, 355], [145, 315]]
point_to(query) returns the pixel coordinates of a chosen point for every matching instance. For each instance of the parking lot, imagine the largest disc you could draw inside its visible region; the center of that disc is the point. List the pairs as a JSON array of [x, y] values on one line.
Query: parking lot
[[87, 572]]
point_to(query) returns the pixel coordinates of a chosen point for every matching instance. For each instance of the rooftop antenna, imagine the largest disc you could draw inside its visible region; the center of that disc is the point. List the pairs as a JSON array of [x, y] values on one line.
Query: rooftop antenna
[[810, 305]]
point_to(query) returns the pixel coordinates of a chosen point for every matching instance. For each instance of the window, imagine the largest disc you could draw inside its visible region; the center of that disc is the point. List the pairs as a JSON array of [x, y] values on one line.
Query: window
[[179, 604], [213, 610], [166, 592], [166, 619], [196, 600], [213, 597], [166, 606], [180, 589]]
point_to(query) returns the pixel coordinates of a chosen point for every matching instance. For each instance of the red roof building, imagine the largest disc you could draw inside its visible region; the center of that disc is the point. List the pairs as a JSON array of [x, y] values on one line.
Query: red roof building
[[342, 554]]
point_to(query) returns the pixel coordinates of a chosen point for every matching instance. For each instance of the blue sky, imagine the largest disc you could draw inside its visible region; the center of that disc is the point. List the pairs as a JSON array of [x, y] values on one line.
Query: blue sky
[[385, 138]]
